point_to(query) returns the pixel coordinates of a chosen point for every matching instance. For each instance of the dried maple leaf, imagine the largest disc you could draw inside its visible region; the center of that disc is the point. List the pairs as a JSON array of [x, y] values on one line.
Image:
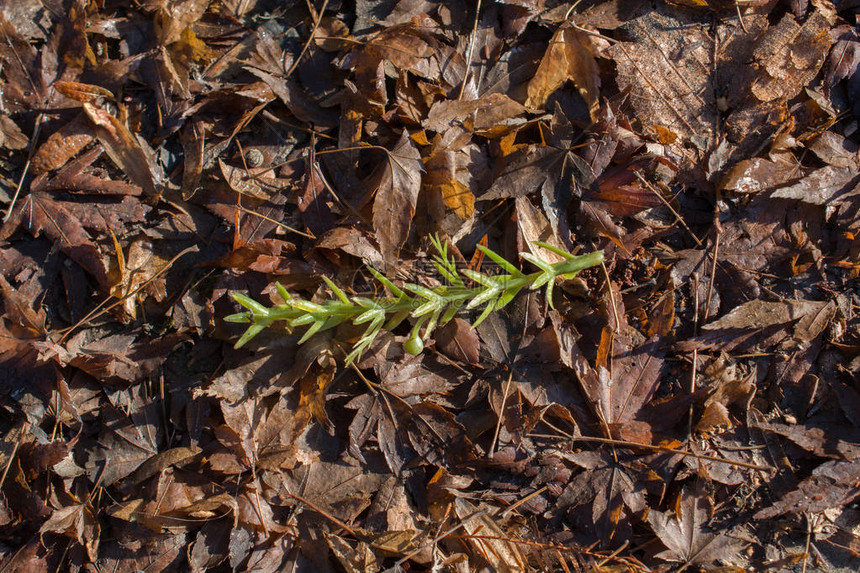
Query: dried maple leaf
[[78, 521], [569, 57], [684, 532], [397, 196], [607, 494], [44, 214], [623, 379]]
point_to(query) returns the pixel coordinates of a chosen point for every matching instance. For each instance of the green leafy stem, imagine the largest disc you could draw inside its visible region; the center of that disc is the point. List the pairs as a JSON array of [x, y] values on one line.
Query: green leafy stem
[[428, 307]]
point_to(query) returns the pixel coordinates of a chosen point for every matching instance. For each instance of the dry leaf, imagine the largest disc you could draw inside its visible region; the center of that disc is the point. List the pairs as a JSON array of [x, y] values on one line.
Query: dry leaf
[[569, 57], [397, 196]]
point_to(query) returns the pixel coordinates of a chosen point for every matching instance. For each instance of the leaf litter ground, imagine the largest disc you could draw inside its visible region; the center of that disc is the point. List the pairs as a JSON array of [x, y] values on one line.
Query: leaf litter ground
[[693, 404]]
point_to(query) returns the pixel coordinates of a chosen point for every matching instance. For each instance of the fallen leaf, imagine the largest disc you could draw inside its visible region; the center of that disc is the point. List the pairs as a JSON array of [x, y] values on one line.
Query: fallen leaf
[[123, 149], [569, 57], [791, 55], [396, 196], [761, 322], [832, 484], [684, 532]]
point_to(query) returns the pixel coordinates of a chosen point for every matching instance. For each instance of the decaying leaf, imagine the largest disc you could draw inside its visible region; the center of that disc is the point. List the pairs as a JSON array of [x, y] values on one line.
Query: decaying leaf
[[791, 54], [762, 322], [622, 381]]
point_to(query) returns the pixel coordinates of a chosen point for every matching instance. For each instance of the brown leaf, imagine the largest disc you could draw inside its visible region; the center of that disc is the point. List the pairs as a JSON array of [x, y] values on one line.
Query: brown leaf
[[62, 145], [410, 377], [448, 172], [353, 242], [124, 149], [753, 175], [459, 341], [761, 322], [569, 57], [11, 136], [832, 484], [684, 532], [835, 150], [607, 493], [826, 440], [823, 186], [44, 214], [76, 177], [315, 197], [79, 522], [668, 67], [535, 227], [622, 381], [397, 196], [791, 55], [620, 192], [491, 116], [413, 47]]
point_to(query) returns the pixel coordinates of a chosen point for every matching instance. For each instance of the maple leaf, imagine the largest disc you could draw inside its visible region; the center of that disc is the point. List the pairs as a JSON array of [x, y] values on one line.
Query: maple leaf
[[623, 379], [78, 521], [397, 196], [684, 532], [607, 495], [568, 57]]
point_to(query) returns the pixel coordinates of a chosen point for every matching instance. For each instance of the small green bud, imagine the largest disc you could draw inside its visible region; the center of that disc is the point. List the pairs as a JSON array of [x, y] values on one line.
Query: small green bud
[[414, 345]]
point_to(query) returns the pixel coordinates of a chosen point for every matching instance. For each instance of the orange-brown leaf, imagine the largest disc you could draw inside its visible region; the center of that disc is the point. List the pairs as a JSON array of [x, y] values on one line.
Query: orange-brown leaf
[[568, 58]]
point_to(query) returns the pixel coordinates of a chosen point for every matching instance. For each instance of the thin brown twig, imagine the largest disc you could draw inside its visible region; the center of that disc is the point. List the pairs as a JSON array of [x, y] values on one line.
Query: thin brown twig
[[273, 221], [719, 231], [95, 313], [322, 512], [677, 215], [472, 38], [316, 18], [24, 428], [434, 541], [666, 449]]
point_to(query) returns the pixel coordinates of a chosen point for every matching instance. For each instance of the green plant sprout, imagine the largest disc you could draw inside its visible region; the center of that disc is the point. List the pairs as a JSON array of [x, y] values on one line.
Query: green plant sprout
[[429, 307]]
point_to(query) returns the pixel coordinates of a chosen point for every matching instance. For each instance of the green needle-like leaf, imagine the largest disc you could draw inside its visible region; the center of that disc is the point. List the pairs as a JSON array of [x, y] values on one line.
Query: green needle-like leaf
[[427, 306]]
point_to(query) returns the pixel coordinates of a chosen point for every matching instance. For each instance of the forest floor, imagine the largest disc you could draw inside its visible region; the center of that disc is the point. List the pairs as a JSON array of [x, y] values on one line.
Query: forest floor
[[690, 403]]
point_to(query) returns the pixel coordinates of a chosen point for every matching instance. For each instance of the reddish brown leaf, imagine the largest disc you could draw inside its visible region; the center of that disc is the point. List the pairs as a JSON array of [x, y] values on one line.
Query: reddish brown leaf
[[123, 149], [684, 532], [397, 196], [459, 341], [623, 379]]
